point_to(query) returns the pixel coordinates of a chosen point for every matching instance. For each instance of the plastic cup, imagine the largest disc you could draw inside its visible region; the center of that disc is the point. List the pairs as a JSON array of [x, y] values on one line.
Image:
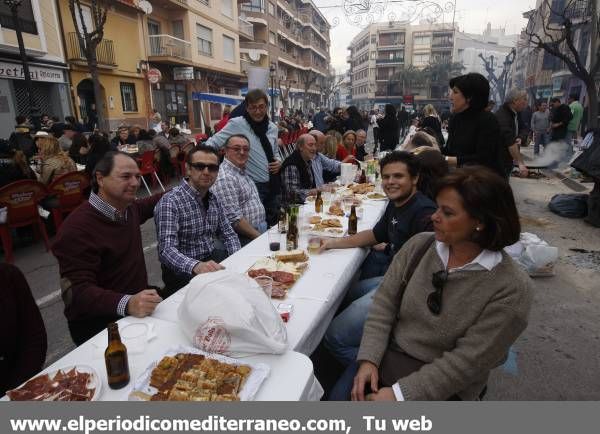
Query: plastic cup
[[274, 240], [134, 337], [348, 202], [266, 283], [314, 244]]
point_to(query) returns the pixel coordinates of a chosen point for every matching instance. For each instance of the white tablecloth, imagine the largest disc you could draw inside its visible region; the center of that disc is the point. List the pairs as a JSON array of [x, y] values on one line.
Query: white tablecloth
[[315, 296], [290, 379]]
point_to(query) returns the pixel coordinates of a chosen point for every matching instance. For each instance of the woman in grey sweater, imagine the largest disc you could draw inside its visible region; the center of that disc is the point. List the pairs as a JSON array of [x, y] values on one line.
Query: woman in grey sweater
[[438, 336]]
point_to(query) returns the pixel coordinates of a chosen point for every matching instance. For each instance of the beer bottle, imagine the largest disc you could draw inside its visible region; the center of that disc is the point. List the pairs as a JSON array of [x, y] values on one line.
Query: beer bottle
[[363, 177], [115, 357], [352, 221], [292, 230], [319, 203]]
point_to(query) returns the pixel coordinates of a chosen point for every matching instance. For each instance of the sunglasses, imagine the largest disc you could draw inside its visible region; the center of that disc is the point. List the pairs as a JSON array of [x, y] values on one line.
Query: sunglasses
[[201, 166], [434, 300]]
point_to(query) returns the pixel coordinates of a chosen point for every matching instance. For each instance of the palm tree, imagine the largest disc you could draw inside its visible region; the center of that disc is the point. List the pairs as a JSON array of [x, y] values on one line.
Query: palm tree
[[410, 78], [437, 75]]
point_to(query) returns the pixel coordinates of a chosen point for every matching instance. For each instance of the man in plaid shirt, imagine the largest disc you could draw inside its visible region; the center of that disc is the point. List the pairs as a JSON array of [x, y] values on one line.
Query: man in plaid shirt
[[237, 193], [187, 219]]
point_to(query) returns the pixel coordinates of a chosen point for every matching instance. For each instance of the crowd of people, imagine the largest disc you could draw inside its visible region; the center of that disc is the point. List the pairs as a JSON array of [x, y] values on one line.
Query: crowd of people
[[437, 302]]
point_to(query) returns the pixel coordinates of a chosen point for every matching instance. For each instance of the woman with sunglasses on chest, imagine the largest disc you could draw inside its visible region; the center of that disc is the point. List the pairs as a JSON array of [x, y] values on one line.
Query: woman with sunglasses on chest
[[450, 305]]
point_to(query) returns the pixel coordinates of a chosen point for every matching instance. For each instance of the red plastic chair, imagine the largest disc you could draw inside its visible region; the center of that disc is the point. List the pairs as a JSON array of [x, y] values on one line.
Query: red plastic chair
[[70, 189], [148, 167], [21, 199], [183, 155]]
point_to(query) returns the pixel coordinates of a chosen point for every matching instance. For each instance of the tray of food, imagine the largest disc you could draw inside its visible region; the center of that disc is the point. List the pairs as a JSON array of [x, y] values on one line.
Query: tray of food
[[285, 267], [190, 374], [361, 188], [376, 196], [71, 383], [329, 227]]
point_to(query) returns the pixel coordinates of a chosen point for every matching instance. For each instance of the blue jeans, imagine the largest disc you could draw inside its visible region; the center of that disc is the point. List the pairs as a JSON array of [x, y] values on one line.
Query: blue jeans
[[541, 138], [375, 264], [270, 199], [343, 387], [343, 335]]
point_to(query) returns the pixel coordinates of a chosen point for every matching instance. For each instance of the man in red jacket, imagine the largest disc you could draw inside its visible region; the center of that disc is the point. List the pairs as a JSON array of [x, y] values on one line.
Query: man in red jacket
[[99, 251]]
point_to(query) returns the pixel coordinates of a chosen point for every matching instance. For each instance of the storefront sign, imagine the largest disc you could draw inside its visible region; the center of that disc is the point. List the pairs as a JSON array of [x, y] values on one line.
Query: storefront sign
[[183, 73], [154, 75], [14, 71]]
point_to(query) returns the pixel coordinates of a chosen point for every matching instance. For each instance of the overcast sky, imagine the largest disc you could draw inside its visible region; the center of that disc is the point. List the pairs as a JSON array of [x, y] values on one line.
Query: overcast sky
[[471, 15]]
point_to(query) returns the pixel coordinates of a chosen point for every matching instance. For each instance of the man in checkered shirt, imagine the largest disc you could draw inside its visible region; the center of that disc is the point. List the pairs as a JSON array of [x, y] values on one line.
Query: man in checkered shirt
[[237, 193], [187, 220]]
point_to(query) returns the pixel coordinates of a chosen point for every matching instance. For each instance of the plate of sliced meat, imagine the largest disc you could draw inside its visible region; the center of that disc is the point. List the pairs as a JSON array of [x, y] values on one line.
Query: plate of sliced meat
[[284, 274], [71, 383]]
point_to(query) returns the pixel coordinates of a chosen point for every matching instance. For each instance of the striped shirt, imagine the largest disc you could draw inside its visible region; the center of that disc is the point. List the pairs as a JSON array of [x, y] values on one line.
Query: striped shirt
[[321, 163], [257, 167], [186, 224], [238, 195]]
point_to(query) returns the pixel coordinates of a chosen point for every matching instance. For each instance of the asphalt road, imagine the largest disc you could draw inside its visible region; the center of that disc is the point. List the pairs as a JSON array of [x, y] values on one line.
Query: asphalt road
[[557, 357]]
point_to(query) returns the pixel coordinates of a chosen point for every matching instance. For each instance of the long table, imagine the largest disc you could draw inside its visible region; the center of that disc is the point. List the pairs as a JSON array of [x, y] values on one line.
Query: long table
[[315, 297]]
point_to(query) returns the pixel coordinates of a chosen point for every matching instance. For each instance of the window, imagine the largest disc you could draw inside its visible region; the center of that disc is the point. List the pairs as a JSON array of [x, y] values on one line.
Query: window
[[228, 49], [25, 14], [177, 26], [128, 98], [254, 6], [421, 59], [227, 8], [204, 37], [271, 9], [423, 40], [272, 38]]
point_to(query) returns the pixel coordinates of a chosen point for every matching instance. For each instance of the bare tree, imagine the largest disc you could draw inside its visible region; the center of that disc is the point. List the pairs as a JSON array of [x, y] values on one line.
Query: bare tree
[[329, 85], [498, 83], [89, 39], [554, 28], [284, 85], [307, 79]]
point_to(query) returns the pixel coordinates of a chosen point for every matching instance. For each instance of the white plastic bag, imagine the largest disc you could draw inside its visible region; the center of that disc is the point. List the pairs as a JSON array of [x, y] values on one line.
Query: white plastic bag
[[539, 260], [228, 313]]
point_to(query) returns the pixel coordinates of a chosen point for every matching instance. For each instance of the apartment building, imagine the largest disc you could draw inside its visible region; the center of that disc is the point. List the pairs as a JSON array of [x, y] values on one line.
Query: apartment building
[[46, 59], [291, 38], [121, 59], [383, 50], [543, 75], [195, 44]]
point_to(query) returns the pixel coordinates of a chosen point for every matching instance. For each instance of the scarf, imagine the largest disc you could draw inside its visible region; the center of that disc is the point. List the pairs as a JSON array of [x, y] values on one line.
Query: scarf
[[307, 179], [260, 129]]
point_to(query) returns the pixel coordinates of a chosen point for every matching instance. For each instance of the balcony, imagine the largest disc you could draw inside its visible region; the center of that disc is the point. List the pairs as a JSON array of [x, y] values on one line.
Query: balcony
[[105, 53], [173, 4], [246, 29], [169, 49], [397, 60]]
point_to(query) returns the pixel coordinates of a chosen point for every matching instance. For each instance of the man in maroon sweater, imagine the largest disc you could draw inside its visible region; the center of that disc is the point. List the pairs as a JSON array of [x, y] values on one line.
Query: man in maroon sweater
[[99, 251]]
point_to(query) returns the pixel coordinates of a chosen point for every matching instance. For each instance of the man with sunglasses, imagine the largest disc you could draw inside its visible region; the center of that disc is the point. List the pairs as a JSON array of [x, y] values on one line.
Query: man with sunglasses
[[237, 193], [187, 219]]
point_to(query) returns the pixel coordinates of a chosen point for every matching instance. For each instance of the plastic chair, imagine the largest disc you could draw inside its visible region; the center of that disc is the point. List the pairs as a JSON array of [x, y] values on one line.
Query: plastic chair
[[70, 189], [21, 199], [147, 167]]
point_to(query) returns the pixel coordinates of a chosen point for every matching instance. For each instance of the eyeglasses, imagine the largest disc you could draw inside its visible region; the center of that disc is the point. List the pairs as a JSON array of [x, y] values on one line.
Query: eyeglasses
[[239, 149], [434, 300], [201, 166], [254, 108]]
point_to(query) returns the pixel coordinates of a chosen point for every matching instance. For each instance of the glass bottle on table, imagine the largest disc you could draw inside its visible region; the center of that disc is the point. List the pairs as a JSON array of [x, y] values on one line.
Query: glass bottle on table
[[115, 358], [282, 220], [352, 221], [292, 230], [319, 203], [363, 177]]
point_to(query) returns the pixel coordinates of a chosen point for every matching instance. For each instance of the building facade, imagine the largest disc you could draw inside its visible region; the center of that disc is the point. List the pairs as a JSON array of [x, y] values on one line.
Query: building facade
[[291, 38], [383, 50], [46, 58]]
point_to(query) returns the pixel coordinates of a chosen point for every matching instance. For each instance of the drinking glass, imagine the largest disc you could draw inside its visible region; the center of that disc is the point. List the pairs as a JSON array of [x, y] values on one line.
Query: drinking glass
[[314, 244], [134, 337], [348, 202], [274, 240]]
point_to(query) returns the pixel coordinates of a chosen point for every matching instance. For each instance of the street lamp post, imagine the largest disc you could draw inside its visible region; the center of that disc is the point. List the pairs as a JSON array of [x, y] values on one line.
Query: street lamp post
[[272, 70], [33, 109]]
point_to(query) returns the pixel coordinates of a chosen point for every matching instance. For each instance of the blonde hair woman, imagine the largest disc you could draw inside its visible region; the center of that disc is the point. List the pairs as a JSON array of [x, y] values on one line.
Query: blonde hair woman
[[55, 162], [431, 119], [330, 146]]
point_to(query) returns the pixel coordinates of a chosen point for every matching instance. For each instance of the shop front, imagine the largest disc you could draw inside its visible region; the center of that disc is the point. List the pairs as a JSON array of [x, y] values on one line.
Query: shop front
[[50, 91], [170, 95]]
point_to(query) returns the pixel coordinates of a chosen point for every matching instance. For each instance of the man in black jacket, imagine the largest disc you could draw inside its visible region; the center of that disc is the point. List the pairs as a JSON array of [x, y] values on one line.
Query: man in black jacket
[[507, 116], [561, 116]]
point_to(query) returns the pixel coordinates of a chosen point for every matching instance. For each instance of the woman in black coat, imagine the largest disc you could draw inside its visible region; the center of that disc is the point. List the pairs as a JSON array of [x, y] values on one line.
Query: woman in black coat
[[473, 133], [354, 122], [388, 129]]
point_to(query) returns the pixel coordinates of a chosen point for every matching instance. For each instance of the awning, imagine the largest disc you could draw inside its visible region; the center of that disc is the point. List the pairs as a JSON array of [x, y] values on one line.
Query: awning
[[217, 98]]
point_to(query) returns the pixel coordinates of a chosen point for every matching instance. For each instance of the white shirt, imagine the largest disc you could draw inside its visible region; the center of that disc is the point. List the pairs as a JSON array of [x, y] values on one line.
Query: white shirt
[[486, 260]]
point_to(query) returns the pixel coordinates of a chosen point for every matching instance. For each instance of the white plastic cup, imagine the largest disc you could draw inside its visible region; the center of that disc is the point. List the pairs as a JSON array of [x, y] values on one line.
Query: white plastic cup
[[135, 336]]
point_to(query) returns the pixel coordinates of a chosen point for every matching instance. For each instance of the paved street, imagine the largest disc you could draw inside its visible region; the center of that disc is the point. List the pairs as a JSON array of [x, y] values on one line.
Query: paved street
[[555, 359]]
